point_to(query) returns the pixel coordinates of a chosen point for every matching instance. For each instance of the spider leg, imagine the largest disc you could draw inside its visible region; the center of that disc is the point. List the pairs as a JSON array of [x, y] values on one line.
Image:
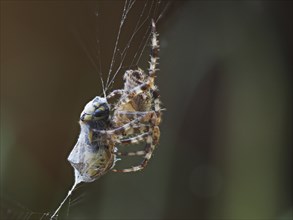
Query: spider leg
[[114, 93], [135, 153], [128, 115], [137, 129], [154, 52], [126, 127], [141, 128], [157, 102], [134, 140], [151, 142], [152, 71]]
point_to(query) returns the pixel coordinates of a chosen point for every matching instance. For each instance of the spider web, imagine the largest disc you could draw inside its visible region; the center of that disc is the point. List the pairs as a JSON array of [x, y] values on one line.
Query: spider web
[[141, 22], [132, 38]]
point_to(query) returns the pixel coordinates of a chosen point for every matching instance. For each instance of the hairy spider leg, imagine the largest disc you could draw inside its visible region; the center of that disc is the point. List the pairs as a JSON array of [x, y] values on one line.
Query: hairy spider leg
[[126, 154], [120, 130], [151, 142], [152, 71], [134, 140], [137, 129], [154, 52], [150, 146], [115, 93], [157, 102]]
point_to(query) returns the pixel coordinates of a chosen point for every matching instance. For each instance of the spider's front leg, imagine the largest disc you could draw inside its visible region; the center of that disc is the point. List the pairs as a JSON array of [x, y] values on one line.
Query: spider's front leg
[[115, 93], [148, 117], [120, 130], [125, 116], [154, 51], [149, 83]]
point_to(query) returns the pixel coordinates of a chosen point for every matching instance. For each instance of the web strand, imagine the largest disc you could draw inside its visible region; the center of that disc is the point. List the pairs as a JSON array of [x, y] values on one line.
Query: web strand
[[155, 5], [81, 43], [137, 28], [99, 56], [11, 209], [123, 17], [76, 182]]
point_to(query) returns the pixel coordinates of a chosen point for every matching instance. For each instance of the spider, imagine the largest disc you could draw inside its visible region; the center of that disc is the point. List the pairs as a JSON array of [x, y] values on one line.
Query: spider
[[135, 119], [144, 107]]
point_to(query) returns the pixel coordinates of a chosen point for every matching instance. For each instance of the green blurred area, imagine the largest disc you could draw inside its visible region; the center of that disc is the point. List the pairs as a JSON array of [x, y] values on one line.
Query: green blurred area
[[225, 78]]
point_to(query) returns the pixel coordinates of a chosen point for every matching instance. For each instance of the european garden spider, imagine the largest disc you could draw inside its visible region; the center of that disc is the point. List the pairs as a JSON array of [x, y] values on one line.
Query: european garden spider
[[135, 118]]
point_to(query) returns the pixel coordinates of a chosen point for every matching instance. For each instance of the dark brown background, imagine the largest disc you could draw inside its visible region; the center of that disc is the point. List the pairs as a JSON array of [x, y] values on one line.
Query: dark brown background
[[225, 79]]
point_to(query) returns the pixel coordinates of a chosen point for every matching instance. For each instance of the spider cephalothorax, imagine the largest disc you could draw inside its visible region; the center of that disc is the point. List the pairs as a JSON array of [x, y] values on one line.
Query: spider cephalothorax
[[140, 102]]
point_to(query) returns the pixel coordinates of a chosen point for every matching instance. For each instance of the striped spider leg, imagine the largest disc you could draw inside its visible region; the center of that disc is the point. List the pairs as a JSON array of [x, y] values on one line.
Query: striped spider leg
[[129, 93], [151, 138], [148, 121]]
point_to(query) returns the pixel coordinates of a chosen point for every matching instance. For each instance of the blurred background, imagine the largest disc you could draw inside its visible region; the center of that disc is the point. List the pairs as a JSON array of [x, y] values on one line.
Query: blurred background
[[225, 78]]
